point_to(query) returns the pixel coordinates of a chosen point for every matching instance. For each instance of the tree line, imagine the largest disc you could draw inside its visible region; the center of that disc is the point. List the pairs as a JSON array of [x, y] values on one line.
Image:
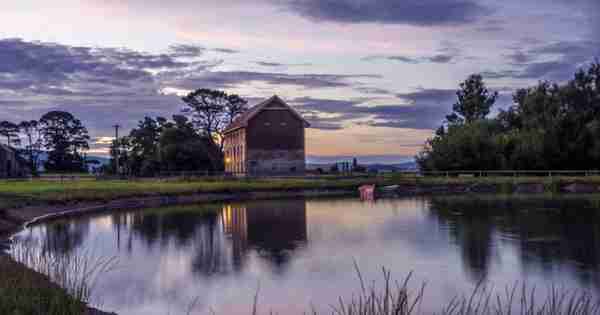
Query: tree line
[[548, 126], [191, 141], [57, 133]]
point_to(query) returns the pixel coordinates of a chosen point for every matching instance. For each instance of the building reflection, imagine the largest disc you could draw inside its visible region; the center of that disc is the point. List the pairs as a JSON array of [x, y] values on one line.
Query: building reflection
[[219, 243], [273, 229]]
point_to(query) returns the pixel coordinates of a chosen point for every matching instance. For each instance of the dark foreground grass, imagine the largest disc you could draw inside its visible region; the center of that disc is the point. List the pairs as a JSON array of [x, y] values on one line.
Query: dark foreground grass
[[28, 293], [60, 285], [20, 294]]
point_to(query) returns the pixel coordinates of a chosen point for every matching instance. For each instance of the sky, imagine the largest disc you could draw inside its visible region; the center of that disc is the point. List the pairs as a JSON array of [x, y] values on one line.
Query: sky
[[374, 77]]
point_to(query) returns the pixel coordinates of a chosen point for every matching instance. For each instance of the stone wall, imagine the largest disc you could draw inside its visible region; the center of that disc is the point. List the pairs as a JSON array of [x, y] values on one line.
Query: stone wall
[[276, 162]]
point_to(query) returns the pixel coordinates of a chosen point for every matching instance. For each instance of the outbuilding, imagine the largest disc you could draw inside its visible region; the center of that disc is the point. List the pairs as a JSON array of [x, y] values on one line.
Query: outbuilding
[[268, 139], [11, 165]]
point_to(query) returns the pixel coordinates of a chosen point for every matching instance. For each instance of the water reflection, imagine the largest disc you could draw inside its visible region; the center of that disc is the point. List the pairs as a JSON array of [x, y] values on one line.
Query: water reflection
[[274, 229], [219, 240], [302, 251], [548, 232]]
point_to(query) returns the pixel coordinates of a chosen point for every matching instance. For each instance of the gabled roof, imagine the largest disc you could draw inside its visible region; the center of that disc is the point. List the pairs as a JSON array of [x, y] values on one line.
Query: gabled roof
[[242, 120]]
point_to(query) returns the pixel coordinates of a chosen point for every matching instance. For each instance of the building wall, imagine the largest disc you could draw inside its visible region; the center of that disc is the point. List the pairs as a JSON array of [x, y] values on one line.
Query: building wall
[[275, 129], [234, 149], [9, 165], [276, 162], [275, 139], [273, 142]]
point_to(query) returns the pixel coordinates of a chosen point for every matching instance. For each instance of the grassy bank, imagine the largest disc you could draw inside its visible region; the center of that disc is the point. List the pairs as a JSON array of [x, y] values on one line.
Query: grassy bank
[[15, 193], [21, 192], [20, 294]]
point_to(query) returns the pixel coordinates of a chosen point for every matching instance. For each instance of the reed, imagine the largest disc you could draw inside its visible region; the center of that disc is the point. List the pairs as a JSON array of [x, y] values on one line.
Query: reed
[[61, 284]]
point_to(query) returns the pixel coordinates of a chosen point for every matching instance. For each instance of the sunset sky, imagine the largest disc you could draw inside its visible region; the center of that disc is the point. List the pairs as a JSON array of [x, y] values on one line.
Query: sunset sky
[[374, 77]]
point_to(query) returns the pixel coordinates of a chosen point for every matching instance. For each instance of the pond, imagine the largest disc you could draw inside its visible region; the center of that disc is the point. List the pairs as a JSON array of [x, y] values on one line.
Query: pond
[[301, 253]]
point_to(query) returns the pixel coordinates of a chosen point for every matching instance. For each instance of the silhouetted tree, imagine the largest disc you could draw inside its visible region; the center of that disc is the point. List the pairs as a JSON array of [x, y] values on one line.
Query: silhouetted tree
[[10, 131], [212, 111], [65, 138], [548, 126], [182, 149], [157, 145], [33, 148], [474, 101]]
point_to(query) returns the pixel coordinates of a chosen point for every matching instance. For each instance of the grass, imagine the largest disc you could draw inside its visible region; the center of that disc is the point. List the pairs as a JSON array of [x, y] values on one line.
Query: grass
[[18, 193], [60, 285], [75, 275], [396, 298], [45, 191]]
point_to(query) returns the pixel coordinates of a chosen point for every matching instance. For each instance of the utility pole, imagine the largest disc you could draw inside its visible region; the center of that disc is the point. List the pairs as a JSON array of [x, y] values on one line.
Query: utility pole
[[117, 148]]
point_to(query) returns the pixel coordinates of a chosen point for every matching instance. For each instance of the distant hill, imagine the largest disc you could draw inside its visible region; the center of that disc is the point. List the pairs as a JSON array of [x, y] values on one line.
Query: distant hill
[[103, 160], [405, 166], [373, 167]]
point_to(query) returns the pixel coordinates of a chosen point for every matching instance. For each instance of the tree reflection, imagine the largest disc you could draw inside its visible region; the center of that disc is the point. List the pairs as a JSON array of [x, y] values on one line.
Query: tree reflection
[[219, 242], [473, 232], [549, 232], [64, 237]]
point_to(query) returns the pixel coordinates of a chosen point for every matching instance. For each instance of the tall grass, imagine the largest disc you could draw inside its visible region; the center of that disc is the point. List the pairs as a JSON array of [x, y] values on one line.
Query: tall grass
[[63, 283], [391, 297], [74, 277]]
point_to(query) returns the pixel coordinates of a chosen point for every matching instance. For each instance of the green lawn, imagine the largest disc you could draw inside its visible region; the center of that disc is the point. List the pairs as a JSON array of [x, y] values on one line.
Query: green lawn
[[91, 190], [39, 191]]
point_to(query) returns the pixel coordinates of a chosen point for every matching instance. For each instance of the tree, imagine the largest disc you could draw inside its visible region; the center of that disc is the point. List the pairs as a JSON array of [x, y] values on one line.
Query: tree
[[548, 126], [158, 144], [144, 159], [474, 101], [10, 131], [33, 148], [119, 149], [65, 138], [212, 111], [181, 148]]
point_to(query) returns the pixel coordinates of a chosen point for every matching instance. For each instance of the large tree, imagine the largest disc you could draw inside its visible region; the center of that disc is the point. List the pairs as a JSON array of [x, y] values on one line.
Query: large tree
[[10, 131], [33, 147], [143, 141], [212, 111], [474, 101], [65, 138], [158, 144], [181, 148], [549, 126]]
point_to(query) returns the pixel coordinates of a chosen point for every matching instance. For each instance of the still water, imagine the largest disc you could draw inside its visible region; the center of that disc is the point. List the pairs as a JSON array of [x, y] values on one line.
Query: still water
[[301, 252]]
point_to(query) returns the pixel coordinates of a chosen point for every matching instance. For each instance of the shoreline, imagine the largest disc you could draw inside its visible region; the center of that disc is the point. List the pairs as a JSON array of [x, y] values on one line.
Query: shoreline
[[11, 223], [14, 220]]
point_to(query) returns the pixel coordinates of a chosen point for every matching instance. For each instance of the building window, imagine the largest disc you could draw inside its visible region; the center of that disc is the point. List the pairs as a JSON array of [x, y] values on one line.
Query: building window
[[267, 124], [283, 124]]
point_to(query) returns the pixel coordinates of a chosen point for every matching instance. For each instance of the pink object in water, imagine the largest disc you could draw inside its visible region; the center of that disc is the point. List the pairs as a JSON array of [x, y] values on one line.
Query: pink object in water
[[367, 192]]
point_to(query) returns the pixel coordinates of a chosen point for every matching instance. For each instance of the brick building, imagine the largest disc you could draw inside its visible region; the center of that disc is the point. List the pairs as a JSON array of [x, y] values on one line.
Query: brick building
[[267, 139]]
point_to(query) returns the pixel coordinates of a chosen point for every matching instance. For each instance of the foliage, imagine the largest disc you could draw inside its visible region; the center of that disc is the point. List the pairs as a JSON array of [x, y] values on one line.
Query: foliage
[[157, 145], [212, 111], [549, 126], [474, 101], [33, 144], [65, 138], [10, 131]]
